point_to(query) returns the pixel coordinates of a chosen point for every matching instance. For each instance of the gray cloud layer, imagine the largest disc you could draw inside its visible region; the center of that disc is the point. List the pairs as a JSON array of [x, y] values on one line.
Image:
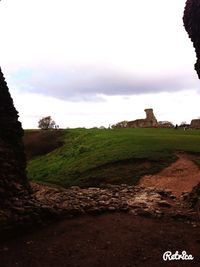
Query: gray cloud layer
[[85, 84]]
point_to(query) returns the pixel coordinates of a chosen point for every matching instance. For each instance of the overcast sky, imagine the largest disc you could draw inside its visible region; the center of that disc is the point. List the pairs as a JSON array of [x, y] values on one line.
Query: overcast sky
[[96, 62]]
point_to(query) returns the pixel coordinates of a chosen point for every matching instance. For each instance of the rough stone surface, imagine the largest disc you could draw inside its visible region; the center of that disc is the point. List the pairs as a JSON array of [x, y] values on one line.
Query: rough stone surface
[[13, 182], [16, 201], [142, 201], [12, 158], [191, 21]]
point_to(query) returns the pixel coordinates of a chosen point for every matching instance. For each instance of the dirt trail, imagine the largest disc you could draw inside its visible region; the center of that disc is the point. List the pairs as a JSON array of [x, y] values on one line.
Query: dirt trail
[[179, 177], [109, 240]]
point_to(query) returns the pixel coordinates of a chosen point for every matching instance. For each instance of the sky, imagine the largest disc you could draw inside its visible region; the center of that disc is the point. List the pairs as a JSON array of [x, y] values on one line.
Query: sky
[[93, 63]]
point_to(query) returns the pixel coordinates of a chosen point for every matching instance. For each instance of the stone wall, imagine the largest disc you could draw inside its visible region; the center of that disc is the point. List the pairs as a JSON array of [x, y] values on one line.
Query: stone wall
[[191, 21], [12, 158], [121, 124], [15, 192]]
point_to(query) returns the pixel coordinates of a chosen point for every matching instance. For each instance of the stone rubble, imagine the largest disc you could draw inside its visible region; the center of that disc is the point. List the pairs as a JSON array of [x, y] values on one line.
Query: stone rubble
[[143, 201]]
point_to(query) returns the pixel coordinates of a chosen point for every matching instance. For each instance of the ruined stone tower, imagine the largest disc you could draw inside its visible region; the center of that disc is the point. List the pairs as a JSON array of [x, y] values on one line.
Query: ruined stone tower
[[150, 118], [148, 122], [13, 182], [191, 21]]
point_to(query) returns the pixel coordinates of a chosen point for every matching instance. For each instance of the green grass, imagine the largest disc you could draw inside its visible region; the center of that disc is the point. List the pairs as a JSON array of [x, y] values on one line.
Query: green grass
[[92, 157]]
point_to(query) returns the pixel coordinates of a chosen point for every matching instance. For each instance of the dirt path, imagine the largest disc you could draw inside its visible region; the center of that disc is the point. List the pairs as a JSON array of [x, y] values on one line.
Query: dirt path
[[180, 176], [109, 240]]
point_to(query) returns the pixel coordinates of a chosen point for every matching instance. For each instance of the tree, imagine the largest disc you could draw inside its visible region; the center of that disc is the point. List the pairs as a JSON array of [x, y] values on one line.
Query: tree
[[46, 123]]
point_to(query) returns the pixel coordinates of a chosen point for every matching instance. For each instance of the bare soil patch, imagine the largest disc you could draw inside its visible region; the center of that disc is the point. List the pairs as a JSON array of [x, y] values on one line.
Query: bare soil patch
[[180, 176], [109, 240], [41, 142]]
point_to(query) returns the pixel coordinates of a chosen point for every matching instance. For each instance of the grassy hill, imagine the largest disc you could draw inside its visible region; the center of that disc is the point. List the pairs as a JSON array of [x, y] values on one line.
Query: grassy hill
[[90, 157]]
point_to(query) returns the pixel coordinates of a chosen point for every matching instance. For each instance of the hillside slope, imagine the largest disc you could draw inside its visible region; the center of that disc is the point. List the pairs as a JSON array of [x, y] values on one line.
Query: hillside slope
[[90, 157]]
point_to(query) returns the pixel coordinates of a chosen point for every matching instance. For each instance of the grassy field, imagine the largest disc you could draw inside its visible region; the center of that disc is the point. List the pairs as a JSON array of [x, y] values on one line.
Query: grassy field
[[98, 156]]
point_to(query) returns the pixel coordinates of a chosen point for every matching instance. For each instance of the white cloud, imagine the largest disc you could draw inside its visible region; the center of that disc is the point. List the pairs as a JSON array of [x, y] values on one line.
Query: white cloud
[[131, 35], [131, 38]]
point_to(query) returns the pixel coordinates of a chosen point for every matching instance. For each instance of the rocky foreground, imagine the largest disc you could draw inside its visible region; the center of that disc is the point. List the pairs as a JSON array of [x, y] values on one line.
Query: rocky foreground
[[137, 200], [116, 225], [51, 203]]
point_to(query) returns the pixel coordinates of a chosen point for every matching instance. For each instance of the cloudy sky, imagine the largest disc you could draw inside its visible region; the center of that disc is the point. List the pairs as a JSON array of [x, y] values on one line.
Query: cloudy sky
[[96, 62]]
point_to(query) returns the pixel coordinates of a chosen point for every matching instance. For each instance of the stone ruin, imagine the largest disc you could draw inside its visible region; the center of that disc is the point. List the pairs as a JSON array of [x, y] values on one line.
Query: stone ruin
[[191, 21], [18, 207], [16, 201], [195, 124], [165, 124], [149, 122], [13, 180], [15, 192]]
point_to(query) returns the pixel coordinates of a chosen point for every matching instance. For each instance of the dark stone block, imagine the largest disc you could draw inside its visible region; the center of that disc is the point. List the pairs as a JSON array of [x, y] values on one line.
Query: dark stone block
[[13, 181], [191, 21]]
